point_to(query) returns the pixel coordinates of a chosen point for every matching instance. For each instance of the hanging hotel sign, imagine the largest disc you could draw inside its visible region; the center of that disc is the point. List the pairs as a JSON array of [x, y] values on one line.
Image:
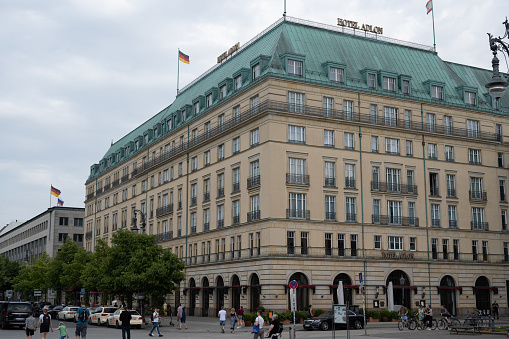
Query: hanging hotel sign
[[229, 52], [397, 255], [364, 27]]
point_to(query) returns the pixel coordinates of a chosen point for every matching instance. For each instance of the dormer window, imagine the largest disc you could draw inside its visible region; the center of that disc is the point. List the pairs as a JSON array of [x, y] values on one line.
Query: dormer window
[[209, 100], [146, 139], [389, 84], [371, 81], [470, 98], [183, 115], [196, 108], [256, 71], [222, 92], [136, 145], [168, 125], [238, 82], [406, 87], [294, 67], [437, 92], [155, 132], [337, 74]]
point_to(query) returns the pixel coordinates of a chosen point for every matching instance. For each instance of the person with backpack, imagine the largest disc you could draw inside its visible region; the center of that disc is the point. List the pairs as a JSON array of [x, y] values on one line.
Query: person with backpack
[[44, 323], [155, 323], [81, 326], [275, 329]]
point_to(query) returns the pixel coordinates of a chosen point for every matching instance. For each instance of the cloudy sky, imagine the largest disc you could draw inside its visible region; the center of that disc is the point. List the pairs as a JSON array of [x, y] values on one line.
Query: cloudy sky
[[77, 74]]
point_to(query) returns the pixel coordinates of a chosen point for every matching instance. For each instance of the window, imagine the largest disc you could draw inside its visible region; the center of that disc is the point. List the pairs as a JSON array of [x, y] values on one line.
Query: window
[[349, 140], [348, 109], [498, 132], [194, 164], [349, 176], [64, 221], [451, 215], [78, 222], [406, 87], [353, 245], [500, 158], [371, 81], [412, 244], [393, 176], [478, 218], [341, 245], [62, 237], [222, 92], [395, 243], [389, 84], [206, 190], [290, 242], [378, 242], [294, 67], [474, 250], [408, 118], [433, 184], [432, 151], [451, 186], [255, 206], [180, 169], [238, 82], [485, 251], [329, 174], [328, 138], [376, 211], [220, 216], [220, 121], [392, 146], [503, 214], [296, 134], [328, 106], [374, 144], [410, 180], [472, 128], [255, 101], [474, 156], [330, 208], [194, 194], [193, 223], [206, 219], [236, 180], [220, 152], [470, 98], [437, 92], [350, 209], [304, 243], [375, 178], [409, 148], [449, 153], [239, 246], [476, 188], [373, 113], [236, 212], [206, 158], [256, 71], [328, 244], [434, 249], [297, 206], [456, 249], [506, 251], [296, 102], [220, 185], [336, 74], [134, 190], [236, 145], [391, 116], [394, 212], [435, 215], [255, 137], [501, 184], [430, 122]]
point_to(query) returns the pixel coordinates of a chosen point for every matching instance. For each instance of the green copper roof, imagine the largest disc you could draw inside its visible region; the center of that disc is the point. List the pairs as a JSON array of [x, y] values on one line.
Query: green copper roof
[[317, 44]]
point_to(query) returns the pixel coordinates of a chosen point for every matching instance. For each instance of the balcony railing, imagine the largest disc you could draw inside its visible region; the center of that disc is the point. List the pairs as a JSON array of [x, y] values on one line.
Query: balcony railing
[[193, 229], [220, 192], [479, 226], [451, 193], [253, 181], [220, 223], [330, 182], [393, 187], [206, 226], [394, 220], [194, 201], [206, 197], [330, 216], [164, 236], [115, 183], [349, 183], [351, 217], [253, 215], [236, 187], [434, 191], [167, 209], [297, 214], [124, 178], [435, 222], [90, 196], [478, 195], [297, 179], [236, 219], [453, 223]]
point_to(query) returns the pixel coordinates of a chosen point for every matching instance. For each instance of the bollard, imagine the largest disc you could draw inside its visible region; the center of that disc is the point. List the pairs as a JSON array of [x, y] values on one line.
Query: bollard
[[291, 332]]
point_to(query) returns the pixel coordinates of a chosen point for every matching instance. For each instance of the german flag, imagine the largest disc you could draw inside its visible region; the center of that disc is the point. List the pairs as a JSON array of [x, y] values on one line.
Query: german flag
[[56, 192], [183, 57]]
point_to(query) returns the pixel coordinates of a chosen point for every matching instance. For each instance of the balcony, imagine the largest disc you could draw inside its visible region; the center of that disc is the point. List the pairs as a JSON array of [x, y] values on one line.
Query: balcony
[[435, 223], [194, 201], [479, 226], [236, 219], [330, 216], [206, 197], [253, 181], [349, 183], [193, 229], [478, 195], [167, 209], [107, 187], [297, 179], [451, 193], [164, 236], [297, 214], [378, 186], [434, 191], [179, 232], [394, 220], [330, 182], [351, 217], [115, 183], [220, 192], [206, 226], [220, 223], [253, 215], [179, 206], [90, 196], [124, 178], [236, 187], [453, 223]]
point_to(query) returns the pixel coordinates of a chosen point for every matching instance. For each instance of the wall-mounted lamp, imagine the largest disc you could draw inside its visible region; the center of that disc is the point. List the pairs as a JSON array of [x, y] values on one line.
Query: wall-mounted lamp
[[423, 293], [377, 292]]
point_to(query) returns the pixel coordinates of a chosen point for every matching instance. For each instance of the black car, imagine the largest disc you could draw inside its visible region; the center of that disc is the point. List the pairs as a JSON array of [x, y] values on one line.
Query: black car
[[54, 311], [324, 321], [14, 314]]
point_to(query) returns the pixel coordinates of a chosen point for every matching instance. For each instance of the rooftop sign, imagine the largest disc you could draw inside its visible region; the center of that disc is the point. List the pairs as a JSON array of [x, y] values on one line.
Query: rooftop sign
[[364, 27], [226, 54]]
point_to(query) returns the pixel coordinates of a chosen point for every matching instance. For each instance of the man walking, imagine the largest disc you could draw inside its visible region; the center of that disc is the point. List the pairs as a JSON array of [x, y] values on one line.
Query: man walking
[[222, 318], [81, 326], [179, 316], [494, 306], [155, 323], [259, 321], [125, 318]]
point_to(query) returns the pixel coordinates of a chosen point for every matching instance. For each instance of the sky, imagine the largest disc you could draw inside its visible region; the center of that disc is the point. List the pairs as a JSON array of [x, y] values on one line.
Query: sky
[[76, 75]]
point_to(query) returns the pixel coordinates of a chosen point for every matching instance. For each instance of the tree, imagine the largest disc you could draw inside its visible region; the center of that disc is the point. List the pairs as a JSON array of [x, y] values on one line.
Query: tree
[[32, 276], [8, 271]]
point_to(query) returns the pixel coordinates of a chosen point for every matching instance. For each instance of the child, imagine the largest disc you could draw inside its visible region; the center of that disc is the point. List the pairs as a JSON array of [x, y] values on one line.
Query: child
[[30, 325], [62, 329]]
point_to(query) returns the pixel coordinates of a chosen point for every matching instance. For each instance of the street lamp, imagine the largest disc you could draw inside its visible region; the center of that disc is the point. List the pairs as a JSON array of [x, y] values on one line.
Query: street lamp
[[402, 283], [135, 229], [497, 85]]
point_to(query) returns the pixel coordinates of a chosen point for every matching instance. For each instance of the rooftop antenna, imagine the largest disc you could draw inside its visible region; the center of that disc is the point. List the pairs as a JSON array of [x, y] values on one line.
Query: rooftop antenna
[[284, 13]]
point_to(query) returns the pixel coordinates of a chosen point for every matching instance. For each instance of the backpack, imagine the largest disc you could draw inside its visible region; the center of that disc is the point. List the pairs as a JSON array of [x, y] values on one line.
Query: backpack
[[152, 317], [46, 319], [280, 328], [83, 315]]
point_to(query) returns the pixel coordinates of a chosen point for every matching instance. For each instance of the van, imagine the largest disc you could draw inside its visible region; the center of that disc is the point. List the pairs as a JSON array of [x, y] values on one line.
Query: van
[[14, 314]]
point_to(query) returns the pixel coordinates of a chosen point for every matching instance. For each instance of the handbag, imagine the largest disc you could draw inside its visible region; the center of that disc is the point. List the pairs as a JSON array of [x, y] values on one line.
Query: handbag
[[256, 329]]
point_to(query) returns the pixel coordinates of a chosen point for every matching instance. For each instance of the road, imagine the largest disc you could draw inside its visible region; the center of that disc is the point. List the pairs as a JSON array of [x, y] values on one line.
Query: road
[[209, 328]]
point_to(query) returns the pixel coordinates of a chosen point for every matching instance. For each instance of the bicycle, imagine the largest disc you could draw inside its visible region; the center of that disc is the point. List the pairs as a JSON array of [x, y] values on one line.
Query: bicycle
[[442, 324], [403, 323]]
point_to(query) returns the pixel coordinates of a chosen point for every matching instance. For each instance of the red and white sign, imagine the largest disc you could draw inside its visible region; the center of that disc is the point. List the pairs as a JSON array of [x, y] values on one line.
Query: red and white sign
[[429, 6], [293, 284]]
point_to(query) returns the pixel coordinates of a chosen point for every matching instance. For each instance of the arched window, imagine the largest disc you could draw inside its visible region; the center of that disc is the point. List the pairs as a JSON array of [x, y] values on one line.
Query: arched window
[[401, 295]]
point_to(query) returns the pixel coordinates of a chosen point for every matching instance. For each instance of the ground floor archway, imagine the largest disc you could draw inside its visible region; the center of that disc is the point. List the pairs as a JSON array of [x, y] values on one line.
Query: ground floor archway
[[400, 283]]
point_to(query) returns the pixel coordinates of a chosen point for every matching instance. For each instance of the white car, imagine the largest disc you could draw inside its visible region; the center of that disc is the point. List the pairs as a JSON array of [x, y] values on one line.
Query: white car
[[101, 314], [135, 320], [67, 313]]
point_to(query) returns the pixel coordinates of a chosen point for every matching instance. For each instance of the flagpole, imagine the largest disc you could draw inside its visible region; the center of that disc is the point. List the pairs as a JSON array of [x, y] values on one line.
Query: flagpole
[[50, 196], [433, 18], [178, 71]]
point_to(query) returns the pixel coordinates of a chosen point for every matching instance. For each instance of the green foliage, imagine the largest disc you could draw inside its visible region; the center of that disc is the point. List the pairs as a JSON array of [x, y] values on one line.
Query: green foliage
[[260, 308], [32, 276], [394, 315], [318, 312], [249, 317], [301, 315], [375, 314], [8, 271], [385, 313], [281, 316]]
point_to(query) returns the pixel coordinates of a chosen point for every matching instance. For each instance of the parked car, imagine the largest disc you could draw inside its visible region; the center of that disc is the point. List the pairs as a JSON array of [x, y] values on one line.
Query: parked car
[[101, 314], [135, 320], [67, 313], [14, 314], [324, 321], [53, 312]]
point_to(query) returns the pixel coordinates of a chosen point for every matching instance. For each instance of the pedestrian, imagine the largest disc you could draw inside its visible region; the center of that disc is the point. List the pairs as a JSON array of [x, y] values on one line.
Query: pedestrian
[[240, 316], [420, 316], [183, 319], [273, 330], [222, 318], [310, 311], [494, 306], [81, 326], [44, 323], [63, 330], [125, 318], [30, 325], [233, 320], [171, 315], [428, 317], [165, 308], [179, 316], [155, 323], [259, 322]]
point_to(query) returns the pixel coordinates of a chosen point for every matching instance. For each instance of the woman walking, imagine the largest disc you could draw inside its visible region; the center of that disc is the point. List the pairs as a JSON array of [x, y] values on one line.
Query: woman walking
[[233, 320]]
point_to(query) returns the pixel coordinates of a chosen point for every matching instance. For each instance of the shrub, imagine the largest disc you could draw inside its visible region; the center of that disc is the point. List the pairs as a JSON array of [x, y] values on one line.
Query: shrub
[[385, 313], [394, 315], [249, 317], [281, 316], [318, 312], [375, 314], [260, 308], [302, 315]]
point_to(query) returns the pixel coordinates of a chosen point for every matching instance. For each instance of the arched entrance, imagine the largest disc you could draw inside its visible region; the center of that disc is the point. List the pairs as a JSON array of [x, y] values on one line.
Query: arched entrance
[[205, 297], [192, 296], [235, 292], [302, 293], [219, 293], [482, 294], [347, 292], [448, 294], [254, 292], [401, 294]]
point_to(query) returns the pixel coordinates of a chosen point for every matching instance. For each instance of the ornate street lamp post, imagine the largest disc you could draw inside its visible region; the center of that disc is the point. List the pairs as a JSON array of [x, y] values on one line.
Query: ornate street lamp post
[[498, 84], [402, 283]]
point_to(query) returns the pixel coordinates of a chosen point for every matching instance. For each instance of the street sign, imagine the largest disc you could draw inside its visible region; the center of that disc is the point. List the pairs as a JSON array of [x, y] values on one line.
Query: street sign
[[82, 291], [293, 299], [293, 284], [37, 293], [360, 277], [339, 314], [8, 293]]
